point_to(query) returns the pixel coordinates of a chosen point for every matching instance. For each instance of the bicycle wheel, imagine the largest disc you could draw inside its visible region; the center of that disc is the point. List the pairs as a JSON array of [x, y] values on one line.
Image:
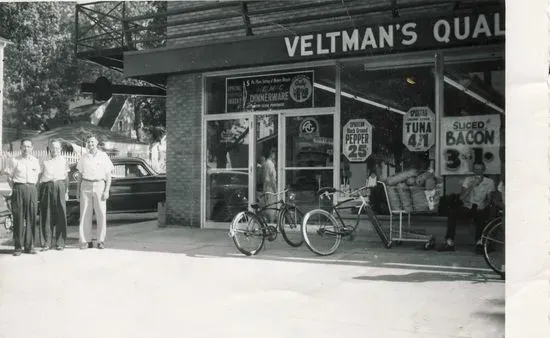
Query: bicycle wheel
[[488, 227], [248, 233], [493, 248], [290, 223], [321, 232]]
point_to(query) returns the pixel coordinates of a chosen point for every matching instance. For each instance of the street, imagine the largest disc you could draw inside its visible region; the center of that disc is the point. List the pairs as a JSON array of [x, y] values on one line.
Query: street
[[152, 281]]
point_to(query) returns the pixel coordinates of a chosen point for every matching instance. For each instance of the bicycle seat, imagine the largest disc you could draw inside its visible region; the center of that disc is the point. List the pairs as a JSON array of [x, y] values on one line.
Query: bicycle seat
[[330, 190]]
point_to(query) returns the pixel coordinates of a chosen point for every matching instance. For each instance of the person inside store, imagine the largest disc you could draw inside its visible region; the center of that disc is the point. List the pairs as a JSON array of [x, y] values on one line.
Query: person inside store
[[23, 172], [95, 168], [475, 197], [53, 194], [270, 182]]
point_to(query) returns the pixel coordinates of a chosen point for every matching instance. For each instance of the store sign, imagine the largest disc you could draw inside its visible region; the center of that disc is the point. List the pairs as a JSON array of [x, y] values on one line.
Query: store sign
[[419, 129], [466, 140], [309, 127], [269, 92], [468, 28], [357, 137]]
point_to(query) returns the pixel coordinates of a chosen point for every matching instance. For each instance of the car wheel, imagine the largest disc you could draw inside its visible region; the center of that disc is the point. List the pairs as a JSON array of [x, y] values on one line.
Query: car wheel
[[73, 216]]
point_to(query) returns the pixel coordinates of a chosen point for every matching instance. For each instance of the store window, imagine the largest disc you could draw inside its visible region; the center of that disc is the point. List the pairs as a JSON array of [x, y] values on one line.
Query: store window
[[472, 126], [268, 91], [374, 108]]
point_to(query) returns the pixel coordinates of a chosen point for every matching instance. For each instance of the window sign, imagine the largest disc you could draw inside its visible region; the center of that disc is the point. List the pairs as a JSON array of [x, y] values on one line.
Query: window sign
[[357, 137], [269, 92], [419, 129], [466, 140]]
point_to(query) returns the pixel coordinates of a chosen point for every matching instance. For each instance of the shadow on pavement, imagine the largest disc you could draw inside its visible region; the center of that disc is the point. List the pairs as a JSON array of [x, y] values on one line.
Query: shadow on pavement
[[497, 316], [432, 276]]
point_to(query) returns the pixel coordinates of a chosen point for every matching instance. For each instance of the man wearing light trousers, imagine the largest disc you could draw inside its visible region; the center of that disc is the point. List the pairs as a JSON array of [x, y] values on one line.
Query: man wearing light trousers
[[93, 186]]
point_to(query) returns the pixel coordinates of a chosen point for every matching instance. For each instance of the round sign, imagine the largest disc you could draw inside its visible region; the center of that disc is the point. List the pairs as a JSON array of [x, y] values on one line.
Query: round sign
[[419, 129], [357, 137], [300, 88], [309, 127]]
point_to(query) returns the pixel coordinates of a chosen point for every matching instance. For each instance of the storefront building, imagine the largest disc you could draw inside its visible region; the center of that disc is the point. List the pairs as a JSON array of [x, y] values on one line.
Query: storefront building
[[337, 93]]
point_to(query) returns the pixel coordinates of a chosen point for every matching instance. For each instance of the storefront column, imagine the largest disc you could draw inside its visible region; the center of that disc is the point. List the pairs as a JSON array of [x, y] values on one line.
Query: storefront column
[[337, 128], [439, 107], [183, 143]]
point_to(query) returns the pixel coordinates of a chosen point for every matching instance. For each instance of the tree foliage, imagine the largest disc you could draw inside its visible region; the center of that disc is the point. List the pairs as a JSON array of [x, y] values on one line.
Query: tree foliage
[[42, 74]]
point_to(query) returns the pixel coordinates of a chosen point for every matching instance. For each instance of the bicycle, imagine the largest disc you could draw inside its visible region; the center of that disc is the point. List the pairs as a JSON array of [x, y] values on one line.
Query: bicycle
[[325, 225], [255, 228], [493, 240]]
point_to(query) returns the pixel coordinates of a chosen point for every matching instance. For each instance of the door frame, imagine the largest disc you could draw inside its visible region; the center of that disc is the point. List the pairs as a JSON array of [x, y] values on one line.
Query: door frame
[[281, 153]]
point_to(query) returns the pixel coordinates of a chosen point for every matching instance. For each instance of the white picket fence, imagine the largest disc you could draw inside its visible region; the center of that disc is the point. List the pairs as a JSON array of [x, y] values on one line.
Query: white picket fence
[[43, 154]]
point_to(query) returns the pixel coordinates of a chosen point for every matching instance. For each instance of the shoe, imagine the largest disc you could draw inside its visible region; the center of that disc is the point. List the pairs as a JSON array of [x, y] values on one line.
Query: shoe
[[17, 252], [100, 245], [31, 251], [446, 247], [83, 246], [60, 247], [90, 245], [45, 248]]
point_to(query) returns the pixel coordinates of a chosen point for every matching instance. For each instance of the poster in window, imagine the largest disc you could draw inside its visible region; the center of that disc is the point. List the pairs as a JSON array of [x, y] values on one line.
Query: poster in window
[[466, 140], [269, 92]]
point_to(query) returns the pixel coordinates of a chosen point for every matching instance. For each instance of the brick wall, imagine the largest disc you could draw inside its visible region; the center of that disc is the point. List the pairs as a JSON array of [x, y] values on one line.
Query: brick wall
[[183, 123]]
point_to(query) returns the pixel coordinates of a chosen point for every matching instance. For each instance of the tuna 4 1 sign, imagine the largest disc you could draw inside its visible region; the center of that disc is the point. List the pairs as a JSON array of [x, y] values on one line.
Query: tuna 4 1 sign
[[470, 139], [419, 129], [357, 136]]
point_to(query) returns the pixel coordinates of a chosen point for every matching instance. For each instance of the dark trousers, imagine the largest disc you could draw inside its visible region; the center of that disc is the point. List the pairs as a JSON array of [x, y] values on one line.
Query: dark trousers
[[24, 204], [53, 213], [457, 213]]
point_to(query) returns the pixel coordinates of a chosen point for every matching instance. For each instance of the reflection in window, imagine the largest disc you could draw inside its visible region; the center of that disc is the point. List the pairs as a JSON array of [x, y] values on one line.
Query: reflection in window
[[227, 144]]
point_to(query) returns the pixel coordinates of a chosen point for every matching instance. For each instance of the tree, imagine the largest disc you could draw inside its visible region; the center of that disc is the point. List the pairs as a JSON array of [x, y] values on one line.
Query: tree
[[41, 73]]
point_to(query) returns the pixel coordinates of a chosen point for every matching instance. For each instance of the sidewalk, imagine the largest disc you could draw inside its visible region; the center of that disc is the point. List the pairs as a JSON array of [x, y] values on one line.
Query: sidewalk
[[366, 247], [152, 281]]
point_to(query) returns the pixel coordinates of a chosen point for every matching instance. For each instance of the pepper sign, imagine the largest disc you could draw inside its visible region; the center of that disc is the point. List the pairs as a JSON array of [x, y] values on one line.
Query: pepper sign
[[357, 137], [419, 129]]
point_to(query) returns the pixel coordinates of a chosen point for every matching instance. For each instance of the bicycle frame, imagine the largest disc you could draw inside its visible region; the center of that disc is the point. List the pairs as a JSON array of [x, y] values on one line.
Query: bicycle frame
[[334, 209]]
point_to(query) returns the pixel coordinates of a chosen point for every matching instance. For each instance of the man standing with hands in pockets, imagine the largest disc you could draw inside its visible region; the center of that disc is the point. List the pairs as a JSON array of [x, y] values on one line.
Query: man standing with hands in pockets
[[93, 186], [53, 194]]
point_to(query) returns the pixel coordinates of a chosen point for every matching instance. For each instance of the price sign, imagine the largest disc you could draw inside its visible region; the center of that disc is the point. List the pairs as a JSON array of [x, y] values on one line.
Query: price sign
[[419, 129], [357, 137]]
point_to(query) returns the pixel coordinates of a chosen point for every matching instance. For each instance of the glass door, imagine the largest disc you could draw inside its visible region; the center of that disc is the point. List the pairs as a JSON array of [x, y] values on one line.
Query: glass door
[[265, 155], [309, 156], [227, 168]]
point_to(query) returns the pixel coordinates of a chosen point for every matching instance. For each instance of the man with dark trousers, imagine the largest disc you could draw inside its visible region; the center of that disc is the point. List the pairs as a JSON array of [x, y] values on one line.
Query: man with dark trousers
[[53, 194], [475, 195], [23, 172]]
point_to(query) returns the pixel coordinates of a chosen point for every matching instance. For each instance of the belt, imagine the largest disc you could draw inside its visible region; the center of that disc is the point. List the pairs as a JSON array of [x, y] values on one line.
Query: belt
[[52, 181], [87, 180], [20, 183]]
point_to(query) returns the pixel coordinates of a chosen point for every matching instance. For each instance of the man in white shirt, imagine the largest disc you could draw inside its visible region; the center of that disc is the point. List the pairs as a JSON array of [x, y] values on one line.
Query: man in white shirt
[[53, 194], [93, 186], [475, 194], [23, 172], [270, 184]]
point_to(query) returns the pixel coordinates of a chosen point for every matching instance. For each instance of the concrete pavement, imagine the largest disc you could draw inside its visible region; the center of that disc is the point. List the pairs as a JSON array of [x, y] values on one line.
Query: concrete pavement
[[189, 282]]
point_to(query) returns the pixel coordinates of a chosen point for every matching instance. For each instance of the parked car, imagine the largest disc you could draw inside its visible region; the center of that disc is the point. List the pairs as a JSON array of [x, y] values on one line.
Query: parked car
[[135, 187], [227, 194]]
